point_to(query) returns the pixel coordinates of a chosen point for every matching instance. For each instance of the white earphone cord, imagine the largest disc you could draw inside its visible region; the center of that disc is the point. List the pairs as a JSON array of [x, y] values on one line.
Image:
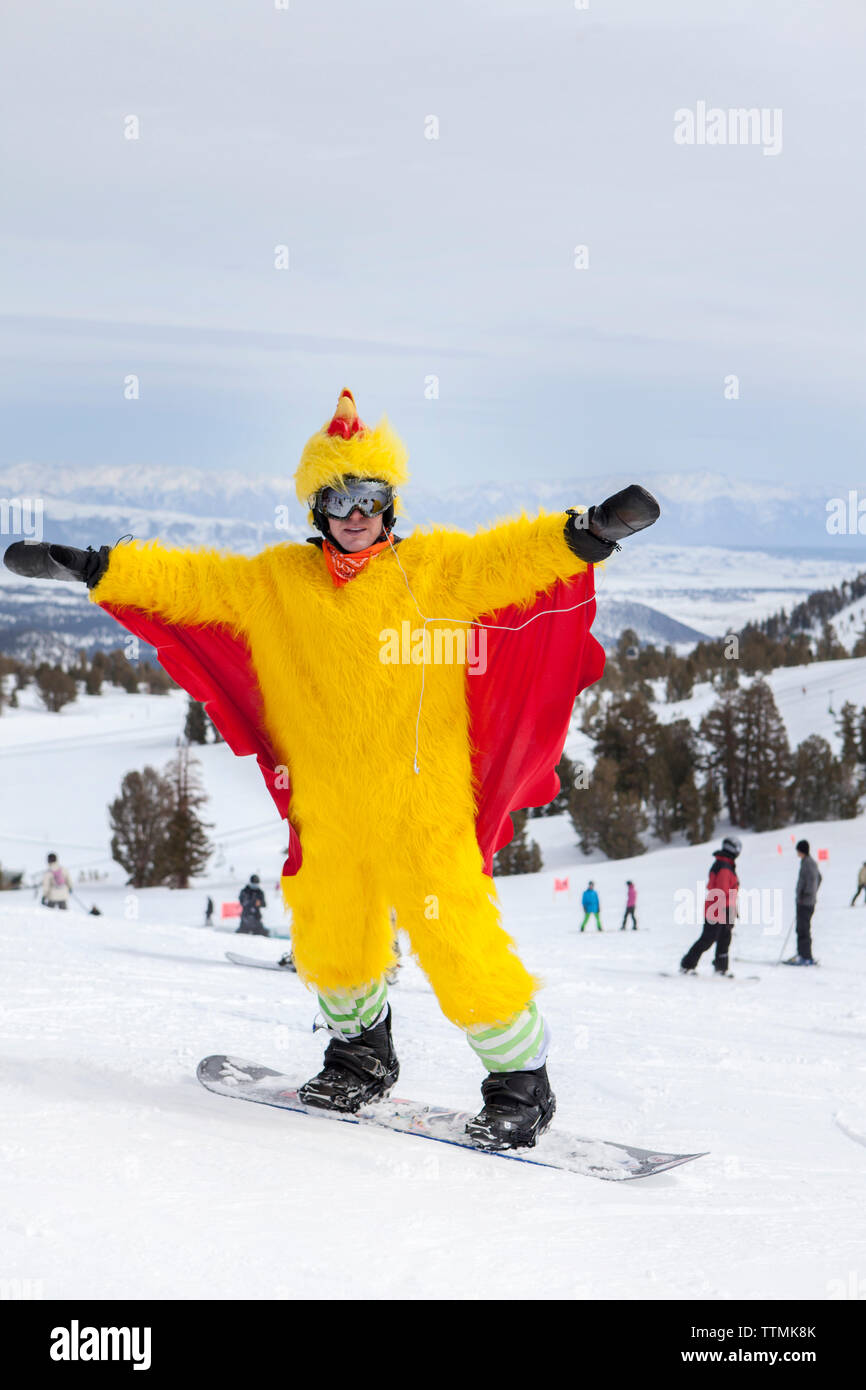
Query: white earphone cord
[[466, 622]]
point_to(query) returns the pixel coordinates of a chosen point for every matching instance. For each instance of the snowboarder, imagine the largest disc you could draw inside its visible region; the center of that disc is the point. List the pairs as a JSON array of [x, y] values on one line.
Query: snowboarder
[[591, 906], [720, 909], [861, 885], [808, 883], [252, 900], [630, 905], [396, 783], [56, 885]]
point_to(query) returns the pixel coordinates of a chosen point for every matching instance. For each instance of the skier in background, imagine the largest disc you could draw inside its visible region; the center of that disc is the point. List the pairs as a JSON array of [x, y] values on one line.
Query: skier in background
[[720, 910], [808, 883], [56, 885], [861, 884], [208, 912], [591, 906], [630, 905], [252, 900]]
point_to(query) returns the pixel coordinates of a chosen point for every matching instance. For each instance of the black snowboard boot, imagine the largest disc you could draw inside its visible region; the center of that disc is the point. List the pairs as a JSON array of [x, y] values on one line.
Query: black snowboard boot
[[356, 1071], [518, 1107]]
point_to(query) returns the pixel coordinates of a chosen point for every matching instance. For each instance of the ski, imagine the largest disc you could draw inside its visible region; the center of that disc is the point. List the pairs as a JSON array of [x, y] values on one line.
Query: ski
[[259, 964], [596, 1158]]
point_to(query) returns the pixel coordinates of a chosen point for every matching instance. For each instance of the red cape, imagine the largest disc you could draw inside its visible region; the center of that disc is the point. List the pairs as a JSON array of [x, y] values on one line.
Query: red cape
[[519, 708]]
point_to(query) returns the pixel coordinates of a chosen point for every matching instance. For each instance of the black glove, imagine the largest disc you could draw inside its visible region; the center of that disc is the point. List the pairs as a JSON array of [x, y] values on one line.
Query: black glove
[[593, 535], [41, 560]]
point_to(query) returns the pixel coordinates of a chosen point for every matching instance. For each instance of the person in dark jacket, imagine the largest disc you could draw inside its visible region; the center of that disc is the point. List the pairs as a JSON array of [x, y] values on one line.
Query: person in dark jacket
[[861, 885], [808, 883], [720, 909], [252, 900]]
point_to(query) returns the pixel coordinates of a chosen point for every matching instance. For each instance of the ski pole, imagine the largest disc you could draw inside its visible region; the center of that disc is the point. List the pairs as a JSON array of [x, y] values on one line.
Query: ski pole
[[785, 942], [91, 911]]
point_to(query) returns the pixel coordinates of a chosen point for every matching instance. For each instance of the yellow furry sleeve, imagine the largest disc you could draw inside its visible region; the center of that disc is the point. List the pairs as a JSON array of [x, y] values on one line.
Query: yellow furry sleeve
[[510, 563], [182, 586]]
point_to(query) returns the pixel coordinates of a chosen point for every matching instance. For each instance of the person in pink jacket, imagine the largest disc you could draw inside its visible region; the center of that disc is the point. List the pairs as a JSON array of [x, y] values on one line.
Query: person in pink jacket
[[56, 885], [630, 905]]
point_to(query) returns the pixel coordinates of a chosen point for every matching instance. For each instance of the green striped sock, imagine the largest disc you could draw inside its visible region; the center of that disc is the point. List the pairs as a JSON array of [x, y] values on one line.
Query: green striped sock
[[348, 1011], [519, 1045]]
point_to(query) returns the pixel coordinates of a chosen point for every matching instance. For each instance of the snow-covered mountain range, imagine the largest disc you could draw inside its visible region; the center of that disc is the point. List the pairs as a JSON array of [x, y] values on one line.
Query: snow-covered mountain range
[[718, 557], [199, 505]]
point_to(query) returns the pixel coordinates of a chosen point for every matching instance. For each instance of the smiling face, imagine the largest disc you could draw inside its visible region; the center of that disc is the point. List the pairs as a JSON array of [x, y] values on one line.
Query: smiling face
[[356, 531]]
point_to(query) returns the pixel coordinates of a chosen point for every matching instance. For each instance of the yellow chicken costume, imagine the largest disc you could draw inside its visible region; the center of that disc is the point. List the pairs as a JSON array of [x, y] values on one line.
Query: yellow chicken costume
[[348, 725]]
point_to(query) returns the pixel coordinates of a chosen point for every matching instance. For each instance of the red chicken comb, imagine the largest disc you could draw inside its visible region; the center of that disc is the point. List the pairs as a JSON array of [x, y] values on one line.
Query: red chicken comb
[[346, 421]]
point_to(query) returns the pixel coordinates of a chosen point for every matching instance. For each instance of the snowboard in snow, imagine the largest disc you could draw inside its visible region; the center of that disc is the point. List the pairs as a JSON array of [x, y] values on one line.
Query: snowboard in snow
[[676, 974], [258, 963], [857, 1133], [596, 1158]]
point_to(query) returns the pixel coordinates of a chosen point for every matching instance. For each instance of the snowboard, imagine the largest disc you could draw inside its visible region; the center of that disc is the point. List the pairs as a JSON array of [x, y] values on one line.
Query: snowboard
[[675, 975], [858, 1134], [258, 963], [595, 1158]]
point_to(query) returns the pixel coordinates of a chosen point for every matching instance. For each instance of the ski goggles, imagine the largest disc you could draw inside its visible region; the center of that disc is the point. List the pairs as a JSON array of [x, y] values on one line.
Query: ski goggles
[[370, 496]]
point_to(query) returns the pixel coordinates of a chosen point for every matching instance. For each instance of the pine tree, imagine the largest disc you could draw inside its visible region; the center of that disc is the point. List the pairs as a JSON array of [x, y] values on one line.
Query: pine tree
[[829, 648], [711, 805], [520, 855], [185, 849], [56, 687], [846, 726], [718, 730], [606, 817], [138, 818], [861, 736], [816, 783], [195, 728], [565, 771], [121, 672], [765, 760], [626, 733]]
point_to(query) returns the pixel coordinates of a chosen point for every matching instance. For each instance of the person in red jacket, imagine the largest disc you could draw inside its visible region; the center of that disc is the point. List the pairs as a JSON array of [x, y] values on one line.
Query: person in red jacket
[[720, 909]]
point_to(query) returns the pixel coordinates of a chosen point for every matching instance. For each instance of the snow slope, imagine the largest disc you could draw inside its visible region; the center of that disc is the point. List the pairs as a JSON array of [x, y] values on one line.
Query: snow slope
[[809, 698], [121, 1177]]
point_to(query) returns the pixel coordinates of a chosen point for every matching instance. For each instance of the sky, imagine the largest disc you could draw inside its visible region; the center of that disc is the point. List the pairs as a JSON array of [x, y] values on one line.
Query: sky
[[435, 277]]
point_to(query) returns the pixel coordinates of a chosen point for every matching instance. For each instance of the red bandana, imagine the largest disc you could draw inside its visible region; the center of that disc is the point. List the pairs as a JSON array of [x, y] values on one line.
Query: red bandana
[[345, 567]]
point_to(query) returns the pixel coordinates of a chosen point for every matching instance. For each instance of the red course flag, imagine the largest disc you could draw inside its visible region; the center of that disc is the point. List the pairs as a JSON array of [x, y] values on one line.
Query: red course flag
[[823, 854], [779, 848], [560, 885], [231, 909]]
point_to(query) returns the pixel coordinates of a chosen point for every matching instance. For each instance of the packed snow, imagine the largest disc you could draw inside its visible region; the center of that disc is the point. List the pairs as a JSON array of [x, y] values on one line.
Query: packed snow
[[122, 1177]]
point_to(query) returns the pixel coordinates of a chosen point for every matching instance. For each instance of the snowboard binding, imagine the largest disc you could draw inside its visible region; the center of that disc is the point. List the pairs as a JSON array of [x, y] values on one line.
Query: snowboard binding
[[518, 1108], [356, 1071]]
